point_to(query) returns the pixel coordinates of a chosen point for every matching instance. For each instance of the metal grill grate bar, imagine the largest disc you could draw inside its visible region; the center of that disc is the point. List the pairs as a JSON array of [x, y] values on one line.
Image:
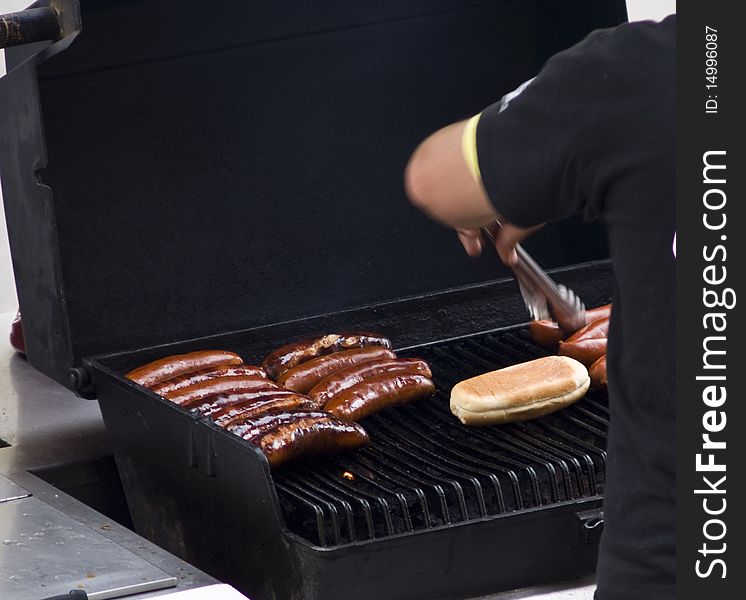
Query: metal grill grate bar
[[424, 468]]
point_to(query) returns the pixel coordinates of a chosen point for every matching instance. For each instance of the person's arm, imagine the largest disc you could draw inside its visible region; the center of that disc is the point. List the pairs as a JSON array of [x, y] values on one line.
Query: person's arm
[[440, 182], [530, 158]]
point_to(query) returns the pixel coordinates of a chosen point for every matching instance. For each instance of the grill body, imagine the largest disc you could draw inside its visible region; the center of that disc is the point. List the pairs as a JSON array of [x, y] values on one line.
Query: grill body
[[431, 509], [176, 192]]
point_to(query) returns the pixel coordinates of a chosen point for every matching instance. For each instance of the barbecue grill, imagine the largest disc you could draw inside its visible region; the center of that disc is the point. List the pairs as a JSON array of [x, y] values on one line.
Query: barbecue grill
[[241, 189]]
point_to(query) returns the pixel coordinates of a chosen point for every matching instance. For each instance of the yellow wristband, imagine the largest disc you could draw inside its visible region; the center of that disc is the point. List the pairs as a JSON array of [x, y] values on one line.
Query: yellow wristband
[[469, 147]]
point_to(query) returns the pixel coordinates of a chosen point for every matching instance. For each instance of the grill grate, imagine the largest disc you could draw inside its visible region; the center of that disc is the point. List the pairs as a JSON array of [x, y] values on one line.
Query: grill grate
[[424, 469]]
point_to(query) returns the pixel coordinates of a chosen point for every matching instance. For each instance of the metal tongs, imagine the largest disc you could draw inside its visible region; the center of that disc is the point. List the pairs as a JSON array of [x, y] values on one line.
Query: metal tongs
[[543, 297]]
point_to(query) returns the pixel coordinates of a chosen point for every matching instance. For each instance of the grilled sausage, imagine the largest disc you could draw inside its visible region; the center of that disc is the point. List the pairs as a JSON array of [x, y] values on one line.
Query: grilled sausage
[[258, 425], [310, 436], [290, 355], [220, 405], [548, 334], [600, 312], [587, 344], [597, 371], [248, 413], [216, 404], [586, 351], [182, 381], [199, 393], [593, 331], [346, 378], [305, 376], [377, 393], [173, 366]]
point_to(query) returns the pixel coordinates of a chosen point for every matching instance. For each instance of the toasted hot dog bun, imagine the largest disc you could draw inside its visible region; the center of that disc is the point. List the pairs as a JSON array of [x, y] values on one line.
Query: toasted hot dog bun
[[520, 392]]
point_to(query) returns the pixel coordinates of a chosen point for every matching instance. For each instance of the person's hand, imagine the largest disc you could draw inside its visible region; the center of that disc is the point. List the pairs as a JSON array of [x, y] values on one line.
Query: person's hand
[[506, 237], [438, 182], [471, 240]]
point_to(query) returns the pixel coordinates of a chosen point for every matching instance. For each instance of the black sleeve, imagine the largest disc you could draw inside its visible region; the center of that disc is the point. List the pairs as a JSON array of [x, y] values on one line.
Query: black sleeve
[[536, 148]]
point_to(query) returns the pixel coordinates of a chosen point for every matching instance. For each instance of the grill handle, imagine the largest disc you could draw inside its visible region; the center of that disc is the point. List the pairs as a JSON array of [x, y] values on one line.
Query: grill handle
[[40, 31], [591, 525], [30, 26]]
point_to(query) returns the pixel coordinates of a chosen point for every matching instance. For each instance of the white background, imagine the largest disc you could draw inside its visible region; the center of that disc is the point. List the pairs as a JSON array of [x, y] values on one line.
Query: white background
[[638, 9]]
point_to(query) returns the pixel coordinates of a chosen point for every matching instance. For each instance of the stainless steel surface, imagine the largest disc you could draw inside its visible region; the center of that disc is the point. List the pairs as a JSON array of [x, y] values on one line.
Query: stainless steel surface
[[44, 553], [11, 491], [543, 297], [579, 589], [535, 301], [134, 588], [47, 425], [564, 305]]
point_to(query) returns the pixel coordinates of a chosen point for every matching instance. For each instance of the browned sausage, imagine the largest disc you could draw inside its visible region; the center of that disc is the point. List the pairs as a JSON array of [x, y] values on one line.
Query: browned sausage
[[593, 331], [310, 436], [586, 351], [305, 376], [194, 395], [249, 413], [182, 381], [377, 393], [587, 344], [346, 378], [224, 402], [600, 312], [289, 356], [173, 366], [597, 371], [258, 425], [548, 334], [221, 405]]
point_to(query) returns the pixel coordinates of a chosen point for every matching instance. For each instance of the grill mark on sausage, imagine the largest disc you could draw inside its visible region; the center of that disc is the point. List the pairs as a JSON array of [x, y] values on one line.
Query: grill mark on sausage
[[377, 393], [291, 355], [182, 381], [302, 378], [199, 393], [343, 379], [310, 436]]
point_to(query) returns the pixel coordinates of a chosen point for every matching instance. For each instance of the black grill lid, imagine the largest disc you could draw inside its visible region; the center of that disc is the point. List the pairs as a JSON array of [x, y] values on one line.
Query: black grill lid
[[251, 174]]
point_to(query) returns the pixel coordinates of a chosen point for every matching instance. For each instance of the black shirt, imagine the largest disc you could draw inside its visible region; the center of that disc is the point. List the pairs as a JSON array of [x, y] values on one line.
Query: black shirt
[[594, 133]]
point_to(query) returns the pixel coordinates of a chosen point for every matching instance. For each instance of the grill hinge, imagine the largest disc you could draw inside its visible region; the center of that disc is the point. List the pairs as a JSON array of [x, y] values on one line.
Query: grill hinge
[[79, 380]]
